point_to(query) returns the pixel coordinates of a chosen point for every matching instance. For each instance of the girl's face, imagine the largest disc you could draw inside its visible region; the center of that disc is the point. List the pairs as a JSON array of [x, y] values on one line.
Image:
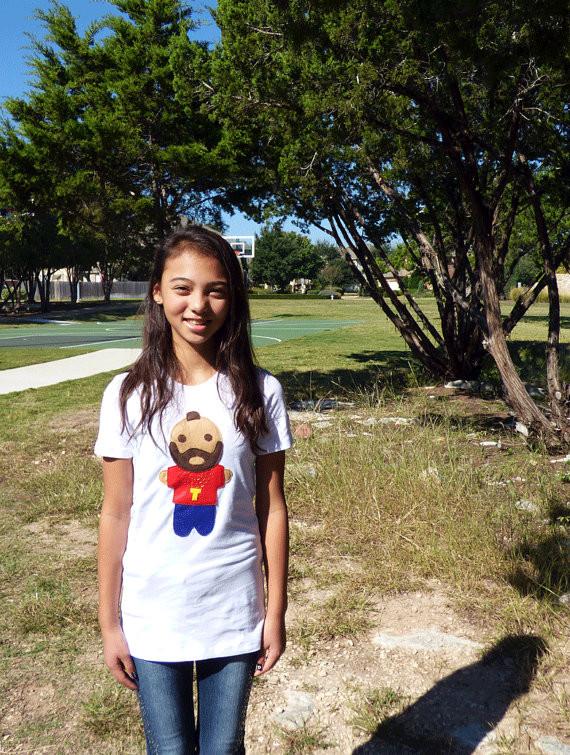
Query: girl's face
[[194, 294]]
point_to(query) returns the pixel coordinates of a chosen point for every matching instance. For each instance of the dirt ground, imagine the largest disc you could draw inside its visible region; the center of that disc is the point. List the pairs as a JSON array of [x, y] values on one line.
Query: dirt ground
[[425, 674], [447, 687]]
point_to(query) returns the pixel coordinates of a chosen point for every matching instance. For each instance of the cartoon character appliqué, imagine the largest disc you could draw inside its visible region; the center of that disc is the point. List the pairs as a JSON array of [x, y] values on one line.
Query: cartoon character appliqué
[[196, 448]]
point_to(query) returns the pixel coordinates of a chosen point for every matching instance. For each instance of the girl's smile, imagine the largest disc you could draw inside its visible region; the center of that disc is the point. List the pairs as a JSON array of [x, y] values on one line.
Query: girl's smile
[[193, 292]]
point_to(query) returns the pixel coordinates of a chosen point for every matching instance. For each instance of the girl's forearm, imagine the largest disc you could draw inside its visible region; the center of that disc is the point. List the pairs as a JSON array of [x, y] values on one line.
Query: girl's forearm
[[112, 542], [275, 540]]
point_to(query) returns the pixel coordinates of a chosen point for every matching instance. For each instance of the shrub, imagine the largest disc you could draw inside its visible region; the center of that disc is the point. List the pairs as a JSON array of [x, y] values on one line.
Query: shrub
[[516, 293]]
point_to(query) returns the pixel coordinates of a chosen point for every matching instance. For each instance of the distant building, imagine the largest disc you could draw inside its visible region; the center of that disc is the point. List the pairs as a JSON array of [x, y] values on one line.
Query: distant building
[[563, 280]]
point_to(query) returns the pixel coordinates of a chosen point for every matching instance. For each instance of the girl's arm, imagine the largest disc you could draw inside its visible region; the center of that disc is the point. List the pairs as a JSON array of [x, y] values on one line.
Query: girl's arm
[[113, 528], [271, 512]]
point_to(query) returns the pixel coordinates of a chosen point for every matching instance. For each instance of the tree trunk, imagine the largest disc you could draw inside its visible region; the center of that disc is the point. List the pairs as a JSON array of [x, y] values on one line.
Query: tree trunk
[[73, 276], [30, 285], [555, 389], [12, 293], [43, 278], [106, 272], [516, 394]]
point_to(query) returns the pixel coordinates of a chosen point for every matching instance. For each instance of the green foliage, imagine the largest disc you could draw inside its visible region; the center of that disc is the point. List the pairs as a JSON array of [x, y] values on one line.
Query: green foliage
[[422, 122], [516, 293], [107, 140], [281, 256], [525, 271], [336, 271]]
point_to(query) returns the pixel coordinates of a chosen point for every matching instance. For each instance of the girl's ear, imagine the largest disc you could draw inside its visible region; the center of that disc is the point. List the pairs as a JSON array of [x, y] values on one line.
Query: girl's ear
[[156, 294]]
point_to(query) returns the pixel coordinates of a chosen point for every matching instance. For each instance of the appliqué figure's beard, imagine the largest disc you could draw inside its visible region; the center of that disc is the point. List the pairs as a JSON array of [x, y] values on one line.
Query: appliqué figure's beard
[[209, 460]]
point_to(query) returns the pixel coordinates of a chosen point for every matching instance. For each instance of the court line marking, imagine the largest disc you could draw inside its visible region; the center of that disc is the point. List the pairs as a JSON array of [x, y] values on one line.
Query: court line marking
[[98, 343], [49, 334], [269, 338], [10, 336]]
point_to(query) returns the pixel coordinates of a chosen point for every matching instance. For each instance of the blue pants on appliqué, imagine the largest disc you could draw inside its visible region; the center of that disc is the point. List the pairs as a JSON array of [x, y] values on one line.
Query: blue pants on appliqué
[[187, 517]]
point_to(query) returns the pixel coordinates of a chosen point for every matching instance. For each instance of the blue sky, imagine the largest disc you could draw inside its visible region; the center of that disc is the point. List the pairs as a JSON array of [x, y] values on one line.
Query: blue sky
[[17, 20]]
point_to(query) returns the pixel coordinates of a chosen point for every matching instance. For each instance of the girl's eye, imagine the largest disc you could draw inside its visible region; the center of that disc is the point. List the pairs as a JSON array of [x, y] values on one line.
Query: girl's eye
[[219, 293]]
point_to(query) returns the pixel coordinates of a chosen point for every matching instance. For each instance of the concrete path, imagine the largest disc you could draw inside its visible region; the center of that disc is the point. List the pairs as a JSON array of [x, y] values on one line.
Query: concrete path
[[50, 373]]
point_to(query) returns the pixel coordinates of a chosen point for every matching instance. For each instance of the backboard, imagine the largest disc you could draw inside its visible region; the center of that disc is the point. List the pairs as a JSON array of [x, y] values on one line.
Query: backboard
[[243, 246]]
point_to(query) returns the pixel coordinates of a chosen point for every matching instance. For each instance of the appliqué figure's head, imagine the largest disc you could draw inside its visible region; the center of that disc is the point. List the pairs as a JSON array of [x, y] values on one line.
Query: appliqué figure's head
[[196, 443]]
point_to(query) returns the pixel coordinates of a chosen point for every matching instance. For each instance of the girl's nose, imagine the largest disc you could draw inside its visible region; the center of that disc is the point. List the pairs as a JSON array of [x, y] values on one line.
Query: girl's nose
[[198, 302]]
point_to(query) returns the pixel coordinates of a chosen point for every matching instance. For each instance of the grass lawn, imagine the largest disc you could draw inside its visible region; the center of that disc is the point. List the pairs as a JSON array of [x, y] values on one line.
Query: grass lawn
[[377, 508], [20, 357]]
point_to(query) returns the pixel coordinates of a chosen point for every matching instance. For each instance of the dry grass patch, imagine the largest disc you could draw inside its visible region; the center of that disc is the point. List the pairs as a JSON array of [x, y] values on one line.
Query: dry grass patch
[[343, 613], [306, 739], [112, 711], [415, 502], [375, 706]]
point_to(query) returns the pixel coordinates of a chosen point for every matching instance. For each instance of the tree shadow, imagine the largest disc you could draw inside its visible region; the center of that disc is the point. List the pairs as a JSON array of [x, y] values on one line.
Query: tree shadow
[[290, 314], [543, 572], [389, 372], [470, 423], [564, 320], [457, 713], [401, 359], [85, 311], [529, 358]]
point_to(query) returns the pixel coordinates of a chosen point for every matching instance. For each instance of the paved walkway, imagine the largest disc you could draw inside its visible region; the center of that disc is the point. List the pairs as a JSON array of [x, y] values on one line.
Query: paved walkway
[[50, 373]]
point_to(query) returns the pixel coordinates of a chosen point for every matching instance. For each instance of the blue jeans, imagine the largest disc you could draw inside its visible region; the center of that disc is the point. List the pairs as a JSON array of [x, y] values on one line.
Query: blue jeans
[[165, 696]]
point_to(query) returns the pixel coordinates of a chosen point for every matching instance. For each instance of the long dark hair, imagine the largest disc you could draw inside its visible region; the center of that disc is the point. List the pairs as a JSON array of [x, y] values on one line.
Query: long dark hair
[[157, 368]]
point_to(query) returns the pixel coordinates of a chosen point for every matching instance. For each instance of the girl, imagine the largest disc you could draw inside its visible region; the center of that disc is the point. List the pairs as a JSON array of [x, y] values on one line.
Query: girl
[[189, 435]]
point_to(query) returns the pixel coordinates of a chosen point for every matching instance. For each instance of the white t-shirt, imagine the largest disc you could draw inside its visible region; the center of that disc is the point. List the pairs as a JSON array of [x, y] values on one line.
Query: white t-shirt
[[192, 581]]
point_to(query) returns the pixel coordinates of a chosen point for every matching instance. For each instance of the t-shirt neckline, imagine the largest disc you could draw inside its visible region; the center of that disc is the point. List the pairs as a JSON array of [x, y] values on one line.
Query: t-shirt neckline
[[204, 383]]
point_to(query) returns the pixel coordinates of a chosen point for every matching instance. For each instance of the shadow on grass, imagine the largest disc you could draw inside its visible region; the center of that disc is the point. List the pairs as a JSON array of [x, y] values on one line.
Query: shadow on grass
[[387, 371], [457, 713], [87, 311], [529, 358], [545, 574], [109, 312], [472, 423], [564, 320]]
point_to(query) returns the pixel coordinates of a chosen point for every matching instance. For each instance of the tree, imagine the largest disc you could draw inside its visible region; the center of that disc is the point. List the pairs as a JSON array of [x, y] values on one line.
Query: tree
[[123, 153], [34, 246], [335, 272], [281, 256], [442, 123], [175, 160]]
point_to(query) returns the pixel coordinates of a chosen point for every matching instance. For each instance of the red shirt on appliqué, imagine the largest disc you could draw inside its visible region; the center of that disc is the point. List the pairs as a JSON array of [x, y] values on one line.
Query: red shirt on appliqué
[[196, 488]]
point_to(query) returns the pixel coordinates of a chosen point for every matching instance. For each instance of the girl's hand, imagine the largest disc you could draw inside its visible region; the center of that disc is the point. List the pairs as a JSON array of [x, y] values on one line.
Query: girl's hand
[[118, 658], [273, 644]]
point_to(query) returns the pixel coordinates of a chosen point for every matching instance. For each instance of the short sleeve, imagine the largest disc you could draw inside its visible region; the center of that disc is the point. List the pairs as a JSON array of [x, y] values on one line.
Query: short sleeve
[[112, 440], [278, 437]]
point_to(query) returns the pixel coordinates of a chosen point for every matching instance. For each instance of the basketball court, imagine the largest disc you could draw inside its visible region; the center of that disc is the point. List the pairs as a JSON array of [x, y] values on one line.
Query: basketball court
[[127, 333]]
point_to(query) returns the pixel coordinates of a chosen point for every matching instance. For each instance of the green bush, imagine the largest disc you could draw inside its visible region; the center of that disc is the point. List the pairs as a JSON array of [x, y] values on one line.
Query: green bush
[[516, 293]]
